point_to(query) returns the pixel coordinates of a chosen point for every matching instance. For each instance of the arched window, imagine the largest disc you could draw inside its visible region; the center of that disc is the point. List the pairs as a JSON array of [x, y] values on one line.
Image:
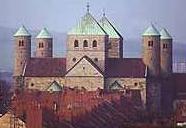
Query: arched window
[[21, 43], [94, 44], [85, 43], [150, 43], [165, 46], [76, 43], [41, 45]]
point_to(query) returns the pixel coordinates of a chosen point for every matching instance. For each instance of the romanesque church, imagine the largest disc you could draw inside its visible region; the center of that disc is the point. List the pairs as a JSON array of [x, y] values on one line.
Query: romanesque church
[[94, 60]]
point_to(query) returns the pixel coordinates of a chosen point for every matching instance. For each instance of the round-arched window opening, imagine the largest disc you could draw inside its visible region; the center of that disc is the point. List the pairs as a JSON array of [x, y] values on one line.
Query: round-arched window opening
[[96, 59], [85, 43], [76, 43], [94, 44], [32, 84], [74, 59], [135, 84]]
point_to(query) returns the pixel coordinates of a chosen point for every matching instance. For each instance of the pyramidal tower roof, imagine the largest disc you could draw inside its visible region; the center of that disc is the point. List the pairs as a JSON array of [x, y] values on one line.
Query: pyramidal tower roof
[[164, 34], [109, 27], [87, 26], [44, 34], [151, 31], [22, 31]]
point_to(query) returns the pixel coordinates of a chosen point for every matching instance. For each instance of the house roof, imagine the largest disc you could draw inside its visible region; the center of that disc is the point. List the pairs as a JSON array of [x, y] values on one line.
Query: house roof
[[126, 67], [87, 26], [165, 34], [179, 80], [45, 67], [44, 34], [109, 28], [151, 31], [22, 31]]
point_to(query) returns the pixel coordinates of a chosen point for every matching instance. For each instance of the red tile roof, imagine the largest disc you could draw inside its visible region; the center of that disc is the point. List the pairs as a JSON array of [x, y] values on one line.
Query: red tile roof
[[126, 67], [45, 67]]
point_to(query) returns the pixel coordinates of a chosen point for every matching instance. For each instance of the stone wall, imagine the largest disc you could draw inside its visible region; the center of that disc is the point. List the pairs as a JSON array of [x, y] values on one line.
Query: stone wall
[[42, 83], [166, 57], [89, 83], [115, 48], [151, 54], [22, 54], [97, 54], [46, 50]]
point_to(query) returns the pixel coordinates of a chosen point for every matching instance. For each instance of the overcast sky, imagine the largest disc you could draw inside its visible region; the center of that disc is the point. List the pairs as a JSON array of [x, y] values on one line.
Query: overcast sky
[[130, 16]]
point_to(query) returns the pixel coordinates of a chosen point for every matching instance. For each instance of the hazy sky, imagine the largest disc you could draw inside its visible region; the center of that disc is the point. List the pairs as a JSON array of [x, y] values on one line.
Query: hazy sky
[[130, 16]]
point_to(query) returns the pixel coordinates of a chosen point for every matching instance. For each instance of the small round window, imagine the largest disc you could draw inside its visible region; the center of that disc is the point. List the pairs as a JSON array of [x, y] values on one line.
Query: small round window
[[74, 59]]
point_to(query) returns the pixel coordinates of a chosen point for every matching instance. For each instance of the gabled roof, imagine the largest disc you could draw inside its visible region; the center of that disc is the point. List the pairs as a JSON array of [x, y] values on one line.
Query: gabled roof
[[90, 61], [115, 86], [22, 31], [87, 26], [164, 34], [151, 31], [126, 68], [44, 34], [54, 87], [45, 67], [109, 28]]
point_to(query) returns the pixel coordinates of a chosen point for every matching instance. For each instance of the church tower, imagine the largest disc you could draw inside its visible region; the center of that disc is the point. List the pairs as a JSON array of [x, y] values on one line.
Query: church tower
[[166, 53], [151, 50], [87, 38], [44, 44], [115, 45], [151, 58], [22, 50]]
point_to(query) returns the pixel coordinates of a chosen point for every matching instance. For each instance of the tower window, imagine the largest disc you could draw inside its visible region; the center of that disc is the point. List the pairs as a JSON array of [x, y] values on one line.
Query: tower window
[[21, 43], [41, 45], [94, 43], [165, 46], [109, 45], [85, 43], [76, 43], [150, 43]]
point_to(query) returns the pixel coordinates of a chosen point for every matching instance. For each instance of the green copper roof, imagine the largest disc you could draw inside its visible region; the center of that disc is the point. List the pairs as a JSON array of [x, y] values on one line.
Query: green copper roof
[[44, 34], [22, 31], [87, 26], [164, 34], [151, 31], [109, 28]]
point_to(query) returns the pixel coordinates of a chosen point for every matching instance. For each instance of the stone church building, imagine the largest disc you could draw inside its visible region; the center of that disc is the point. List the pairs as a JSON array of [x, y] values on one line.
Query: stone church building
[[94, 60]]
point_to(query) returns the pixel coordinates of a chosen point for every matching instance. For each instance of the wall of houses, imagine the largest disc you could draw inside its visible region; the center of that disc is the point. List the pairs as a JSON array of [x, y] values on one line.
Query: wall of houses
[[130, 83]]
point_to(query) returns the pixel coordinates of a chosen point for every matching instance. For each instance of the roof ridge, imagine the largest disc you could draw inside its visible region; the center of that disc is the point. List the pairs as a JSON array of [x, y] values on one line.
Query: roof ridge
[[104, 20], [88, 25]]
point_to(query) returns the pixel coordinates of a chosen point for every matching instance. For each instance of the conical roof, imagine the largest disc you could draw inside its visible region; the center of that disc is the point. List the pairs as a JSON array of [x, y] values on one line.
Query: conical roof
[[164, 34], [22, 31], [87, 26], [151, 31], [109, 28], [44, 34]]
